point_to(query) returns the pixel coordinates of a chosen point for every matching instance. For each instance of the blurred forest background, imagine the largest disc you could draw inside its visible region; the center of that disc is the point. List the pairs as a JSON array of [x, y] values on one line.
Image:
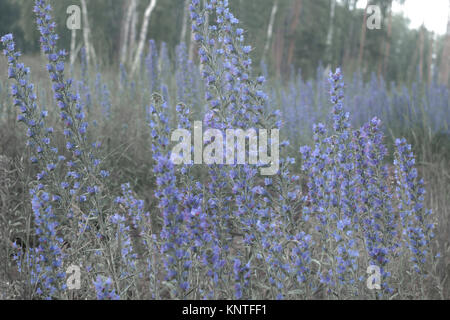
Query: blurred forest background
[[287, 34]]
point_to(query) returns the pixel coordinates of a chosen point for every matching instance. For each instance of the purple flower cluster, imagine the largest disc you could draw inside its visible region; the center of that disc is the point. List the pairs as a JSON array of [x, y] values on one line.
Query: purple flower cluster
[[71, 107], [417, 221], [174, 235], [376, 209], [151, 62], [54, 193], [332, 190], [83, 166], [234, 97], [225, 231], [47, 258], [348, 195], [104, 289]]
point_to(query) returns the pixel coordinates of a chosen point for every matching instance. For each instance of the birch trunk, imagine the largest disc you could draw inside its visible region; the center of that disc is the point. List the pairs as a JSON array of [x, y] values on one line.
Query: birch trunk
[[445, 63], [430, 59], [421, 45], [278, 49], [330, 34], [143, 35], [185, 22], [270, 28], [191, 47], [363, 37], [126, 33], [387, 50], [350, 42], [134, 21], [73, 42], [90, 52]]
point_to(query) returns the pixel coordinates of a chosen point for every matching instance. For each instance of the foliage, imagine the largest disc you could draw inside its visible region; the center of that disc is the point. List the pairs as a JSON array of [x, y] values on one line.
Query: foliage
[[216, 231], [309, 37]]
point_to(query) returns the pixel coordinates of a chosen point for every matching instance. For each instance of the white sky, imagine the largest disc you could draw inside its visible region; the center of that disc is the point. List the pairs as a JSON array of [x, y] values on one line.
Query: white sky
[[433, 13]]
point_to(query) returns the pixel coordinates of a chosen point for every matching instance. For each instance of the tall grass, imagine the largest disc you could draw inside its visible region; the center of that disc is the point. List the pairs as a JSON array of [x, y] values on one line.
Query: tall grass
[[222, 232]]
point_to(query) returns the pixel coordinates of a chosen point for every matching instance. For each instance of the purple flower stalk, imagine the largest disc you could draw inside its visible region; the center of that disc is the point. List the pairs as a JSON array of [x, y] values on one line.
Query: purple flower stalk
[[417, 221]]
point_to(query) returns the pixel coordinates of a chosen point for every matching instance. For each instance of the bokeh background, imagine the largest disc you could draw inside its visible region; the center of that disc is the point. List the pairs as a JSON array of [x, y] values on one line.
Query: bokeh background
[[399, 73]]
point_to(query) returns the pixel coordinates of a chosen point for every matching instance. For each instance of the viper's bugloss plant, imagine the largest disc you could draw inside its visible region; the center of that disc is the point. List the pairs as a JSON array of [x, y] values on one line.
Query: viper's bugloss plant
[[104, 290], [45, 269], [417, 221], [84, 176], [217, 231], [174, 248], [350, 199], [377, 220]]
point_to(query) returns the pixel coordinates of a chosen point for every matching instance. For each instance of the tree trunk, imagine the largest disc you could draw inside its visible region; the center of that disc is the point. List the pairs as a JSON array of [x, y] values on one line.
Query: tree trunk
[[363, 37], [90, 52], [134, 21], [421, 45], [143, 35], [329, 43], [413, 62], [430, 59], [292, 29], [270, 28], [387, 50], [278, 50], [445, 63], [192, 47], [126, 31], [73, 42], [350, 44], [185, 22]]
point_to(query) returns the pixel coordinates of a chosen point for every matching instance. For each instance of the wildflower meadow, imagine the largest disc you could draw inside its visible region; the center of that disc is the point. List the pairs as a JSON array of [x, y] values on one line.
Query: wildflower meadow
[[94, 205]]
